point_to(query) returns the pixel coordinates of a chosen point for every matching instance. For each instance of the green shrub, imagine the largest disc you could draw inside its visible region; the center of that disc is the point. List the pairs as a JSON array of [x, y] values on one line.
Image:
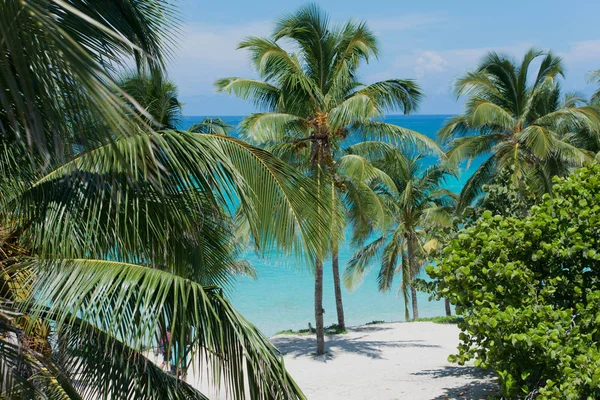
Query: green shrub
[[529, 291]]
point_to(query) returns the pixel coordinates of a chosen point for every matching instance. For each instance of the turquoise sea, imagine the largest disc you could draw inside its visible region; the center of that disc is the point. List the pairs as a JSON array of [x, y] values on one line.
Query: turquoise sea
[[282, 295]]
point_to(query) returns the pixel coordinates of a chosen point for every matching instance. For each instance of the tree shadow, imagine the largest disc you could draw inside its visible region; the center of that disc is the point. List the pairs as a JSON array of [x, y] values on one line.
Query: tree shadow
[[371, 328], [482, 383], [305, 345]]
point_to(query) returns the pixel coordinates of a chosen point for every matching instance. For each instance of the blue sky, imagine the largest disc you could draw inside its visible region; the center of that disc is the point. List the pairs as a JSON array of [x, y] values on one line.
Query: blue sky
[[429, 40]]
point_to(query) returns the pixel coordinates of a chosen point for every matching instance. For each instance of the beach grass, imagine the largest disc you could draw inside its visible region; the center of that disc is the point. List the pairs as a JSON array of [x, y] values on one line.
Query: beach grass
[[335, 330], [332, 329], [451, 319]]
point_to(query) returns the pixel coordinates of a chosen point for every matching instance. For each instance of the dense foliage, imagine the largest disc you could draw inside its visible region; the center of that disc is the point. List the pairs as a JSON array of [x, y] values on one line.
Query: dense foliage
[[529, 291], [115, 236], [502, 197]]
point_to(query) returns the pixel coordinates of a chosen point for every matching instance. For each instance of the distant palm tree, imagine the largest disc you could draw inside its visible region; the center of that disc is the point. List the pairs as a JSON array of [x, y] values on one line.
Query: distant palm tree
[[519, 120], [314, 101], [156, 94], [112, 233], [215, 126], [417, 203], [594, 77]]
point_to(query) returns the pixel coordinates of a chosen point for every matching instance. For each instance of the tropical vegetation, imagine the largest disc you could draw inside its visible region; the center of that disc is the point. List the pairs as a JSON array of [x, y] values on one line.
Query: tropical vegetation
[[115, 230], [121, 233], [531, 314], [155, 93], [314, 102], [518, 116]]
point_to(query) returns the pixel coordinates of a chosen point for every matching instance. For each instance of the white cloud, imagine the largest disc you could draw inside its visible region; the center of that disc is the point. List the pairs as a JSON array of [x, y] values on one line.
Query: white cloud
[[429, 61], [208, 52], [447, 64], [582, 52]]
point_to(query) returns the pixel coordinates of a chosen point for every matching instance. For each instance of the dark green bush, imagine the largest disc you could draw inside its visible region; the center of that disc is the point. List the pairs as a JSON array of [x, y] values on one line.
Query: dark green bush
[[529, 291]]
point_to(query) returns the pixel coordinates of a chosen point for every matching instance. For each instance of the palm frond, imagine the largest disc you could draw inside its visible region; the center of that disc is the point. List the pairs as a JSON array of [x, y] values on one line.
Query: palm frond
[[262, 94], [467, 148], [272, 126], [181, 176], [100, 365], [156, 94], [394, 95], [56, 91], [273, 63], [357, 266], [474, 185], [389, 260], [394, 134], [537, 139], [309, 28], [139, 304], [485, 113], [594, 77]]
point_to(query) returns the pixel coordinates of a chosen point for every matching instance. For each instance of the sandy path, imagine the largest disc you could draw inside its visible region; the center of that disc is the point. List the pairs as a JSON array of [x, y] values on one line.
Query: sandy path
[[386, 361]]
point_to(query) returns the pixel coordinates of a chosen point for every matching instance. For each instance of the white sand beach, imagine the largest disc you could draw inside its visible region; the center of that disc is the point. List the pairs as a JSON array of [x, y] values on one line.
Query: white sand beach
[[385, 361]]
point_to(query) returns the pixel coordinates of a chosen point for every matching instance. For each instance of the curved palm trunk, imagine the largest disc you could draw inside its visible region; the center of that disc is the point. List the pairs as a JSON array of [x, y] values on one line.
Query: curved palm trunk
[[448, 309], [319, 306], [337, 287], [412, 263]]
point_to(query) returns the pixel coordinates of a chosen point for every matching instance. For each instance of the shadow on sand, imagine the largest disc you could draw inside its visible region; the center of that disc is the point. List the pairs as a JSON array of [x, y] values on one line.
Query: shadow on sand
[[298, 346], [482, 385]]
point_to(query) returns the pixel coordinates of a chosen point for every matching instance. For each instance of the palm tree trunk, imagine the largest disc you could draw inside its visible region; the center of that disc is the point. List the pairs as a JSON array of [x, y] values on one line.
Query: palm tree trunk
[[335, 265], [415, 307], [319, 306], [447, 304], [412, 263]]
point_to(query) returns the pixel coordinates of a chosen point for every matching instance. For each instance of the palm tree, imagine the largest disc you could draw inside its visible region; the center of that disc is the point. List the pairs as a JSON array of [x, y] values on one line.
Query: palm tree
[[313, 100], [215, 126], [517, 119], [594, 77], [113, 233], [352, 199], [417, 203], [156, 94]]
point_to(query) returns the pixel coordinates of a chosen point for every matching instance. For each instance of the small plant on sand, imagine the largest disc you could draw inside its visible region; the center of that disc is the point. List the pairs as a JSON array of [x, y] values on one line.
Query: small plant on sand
[[452, 319], [332, 329], [375, 322]]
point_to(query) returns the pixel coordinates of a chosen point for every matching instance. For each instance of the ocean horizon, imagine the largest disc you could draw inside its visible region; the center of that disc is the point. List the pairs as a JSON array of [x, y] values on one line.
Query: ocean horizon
[[281, 296]]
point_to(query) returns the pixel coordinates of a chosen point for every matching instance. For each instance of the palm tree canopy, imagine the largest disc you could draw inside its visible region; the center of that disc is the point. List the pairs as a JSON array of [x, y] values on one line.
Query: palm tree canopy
[[215, 126], [312, 96], [516, 114], [56, 53], [156, 94]]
